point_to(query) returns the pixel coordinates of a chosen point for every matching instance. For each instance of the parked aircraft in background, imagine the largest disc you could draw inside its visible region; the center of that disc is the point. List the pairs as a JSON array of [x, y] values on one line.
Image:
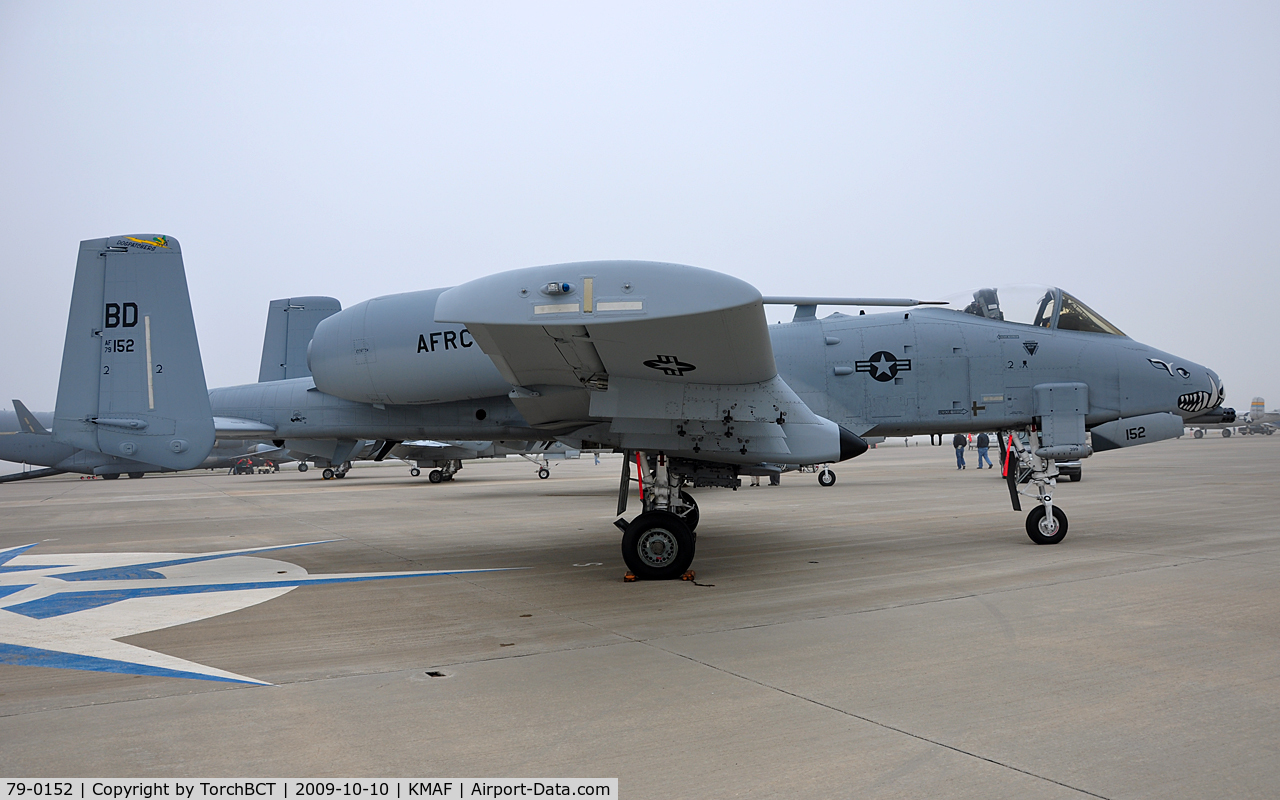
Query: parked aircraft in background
[[674, 366], [1257, 421]]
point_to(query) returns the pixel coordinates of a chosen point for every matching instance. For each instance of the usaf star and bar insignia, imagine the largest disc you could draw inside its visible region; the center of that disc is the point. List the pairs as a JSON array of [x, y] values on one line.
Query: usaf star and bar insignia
[[883, 366]]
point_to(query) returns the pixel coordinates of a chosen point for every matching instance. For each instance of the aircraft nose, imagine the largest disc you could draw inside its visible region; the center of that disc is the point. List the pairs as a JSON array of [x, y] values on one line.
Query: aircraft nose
[[1205, 391]]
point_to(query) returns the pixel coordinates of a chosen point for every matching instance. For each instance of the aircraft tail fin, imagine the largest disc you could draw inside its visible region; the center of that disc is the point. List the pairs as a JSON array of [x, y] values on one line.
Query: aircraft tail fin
[[27, 421], [291, 322], [132, 381]]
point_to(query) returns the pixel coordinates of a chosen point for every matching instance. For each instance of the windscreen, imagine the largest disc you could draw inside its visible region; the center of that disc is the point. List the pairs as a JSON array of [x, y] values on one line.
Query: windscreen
[[1076, 316]]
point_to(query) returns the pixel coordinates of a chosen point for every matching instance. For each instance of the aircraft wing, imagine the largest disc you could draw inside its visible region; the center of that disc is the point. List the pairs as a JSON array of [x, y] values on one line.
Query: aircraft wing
[[674, 358]]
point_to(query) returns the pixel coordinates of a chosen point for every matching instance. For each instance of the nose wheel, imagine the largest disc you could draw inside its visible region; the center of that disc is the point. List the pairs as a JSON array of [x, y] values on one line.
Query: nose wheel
[[1044, 528]]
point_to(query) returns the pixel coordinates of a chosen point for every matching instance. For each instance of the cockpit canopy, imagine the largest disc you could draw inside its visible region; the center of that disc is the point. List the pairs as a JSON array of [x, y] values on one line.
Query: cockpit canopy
[[1042, 306]]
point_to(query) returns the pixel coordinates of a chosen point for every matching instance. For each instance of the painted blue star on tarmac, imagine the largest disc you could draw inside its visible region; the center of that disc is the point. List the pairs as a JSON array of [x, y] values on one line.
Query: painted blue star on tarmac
[[68, 611]]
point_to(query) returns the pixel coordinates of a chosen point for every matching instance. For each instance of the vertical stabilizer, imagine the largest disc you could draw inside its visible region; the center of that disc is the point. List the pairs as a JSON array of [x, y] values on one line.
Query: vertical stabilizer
[[27, 421], [291, 323], [132, 382]]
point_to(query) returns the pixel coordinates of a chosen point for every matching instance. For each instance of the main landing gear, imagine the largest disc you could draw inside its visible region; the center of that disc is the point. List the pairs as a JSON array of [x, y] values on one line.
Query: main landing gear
[[442, 474], [1047, 523], [330, 473], [660, 543]]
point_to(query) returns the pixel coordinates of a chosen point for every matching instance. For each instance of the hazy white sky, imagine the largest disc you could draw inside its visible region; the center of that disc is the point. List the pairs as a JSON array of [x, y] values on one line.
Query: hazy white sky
[[1127, 152]]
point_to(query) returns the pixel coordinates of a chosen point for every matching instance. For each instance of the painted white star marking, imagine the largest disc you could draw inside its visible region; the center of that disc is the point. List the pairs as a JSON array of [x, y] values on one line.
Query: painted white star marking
[[68, 611]]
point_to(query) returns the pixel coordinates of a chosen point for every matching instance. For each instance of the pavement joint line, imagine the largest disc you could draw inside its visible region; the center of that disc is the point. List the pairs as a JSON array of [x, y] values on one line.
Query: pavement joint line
[[1201, 559], [877, 723]]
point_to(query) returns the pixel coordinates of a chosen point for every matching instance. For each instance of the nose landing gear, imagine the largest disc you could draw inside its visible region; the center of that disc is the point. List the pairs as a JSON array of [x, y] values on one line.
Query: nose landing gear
[[1047, 523]]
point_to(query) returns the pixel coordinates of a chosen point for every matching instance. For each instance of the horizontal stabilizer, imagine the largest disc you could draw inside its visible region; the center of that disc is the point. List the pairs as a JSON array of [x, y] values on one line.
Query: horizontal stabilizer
[[132, 382]]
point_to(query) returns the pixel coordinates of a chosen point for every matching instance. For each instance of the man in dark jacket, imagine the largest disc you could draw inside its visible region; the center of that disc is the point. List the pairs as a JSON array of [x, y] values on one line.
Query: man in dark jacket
[[983, 443], [959, 442]]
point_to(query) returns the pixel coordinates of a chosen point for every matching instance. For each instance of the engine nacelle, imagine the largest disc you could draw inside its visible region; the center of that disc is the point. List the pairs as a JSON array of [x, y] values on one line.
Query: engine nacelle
[[390, 350]]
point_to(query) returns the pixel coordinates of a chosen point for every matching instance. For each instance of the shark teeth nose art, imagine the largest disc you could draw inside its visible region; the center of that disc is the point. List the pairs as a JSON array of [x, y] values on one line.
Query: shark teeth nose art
[[1195, 401]]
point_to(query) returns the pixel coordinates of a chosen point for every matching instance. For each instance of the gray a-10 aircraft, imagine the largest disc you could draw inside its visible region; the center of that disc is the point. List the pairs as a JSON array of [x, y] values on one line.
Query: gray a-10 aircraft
[[676, 367], [673, 365]]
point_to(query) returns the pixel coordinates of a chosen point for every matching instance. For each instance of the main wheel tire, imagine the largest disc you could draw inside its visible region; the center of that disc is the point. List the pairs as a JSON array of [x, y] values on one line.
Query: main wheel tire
[[342, 473], [826, 478], [691, 517], [1198, 434], [435, 476], [111, 476], [1056, 533], [136, 474], [658, 546], [327, 474], [543, 473], [446, 476], [415, 472], [1226, 433], [303, 466]]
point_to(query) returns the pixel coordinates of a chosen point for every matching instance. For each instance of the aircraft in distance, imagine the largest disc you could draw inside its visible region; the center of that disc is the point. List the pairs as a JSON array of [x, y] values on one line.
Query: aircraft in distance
[[447, 457], [1258, 421], [674, 366], [34, 444]]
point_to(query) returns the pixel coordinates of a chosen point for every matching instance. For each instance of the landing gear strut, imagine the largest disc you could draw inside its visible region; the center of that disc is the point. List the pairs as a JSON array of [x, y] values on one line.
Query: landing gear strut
[[660, 543], [1047, 523]]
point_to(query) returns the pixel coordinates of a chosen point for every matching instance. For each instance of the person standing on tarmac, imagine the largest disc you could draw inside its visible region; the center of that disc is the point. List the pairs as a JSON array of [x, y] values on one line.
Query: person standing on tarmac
[[984, 442], [959, 442]]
